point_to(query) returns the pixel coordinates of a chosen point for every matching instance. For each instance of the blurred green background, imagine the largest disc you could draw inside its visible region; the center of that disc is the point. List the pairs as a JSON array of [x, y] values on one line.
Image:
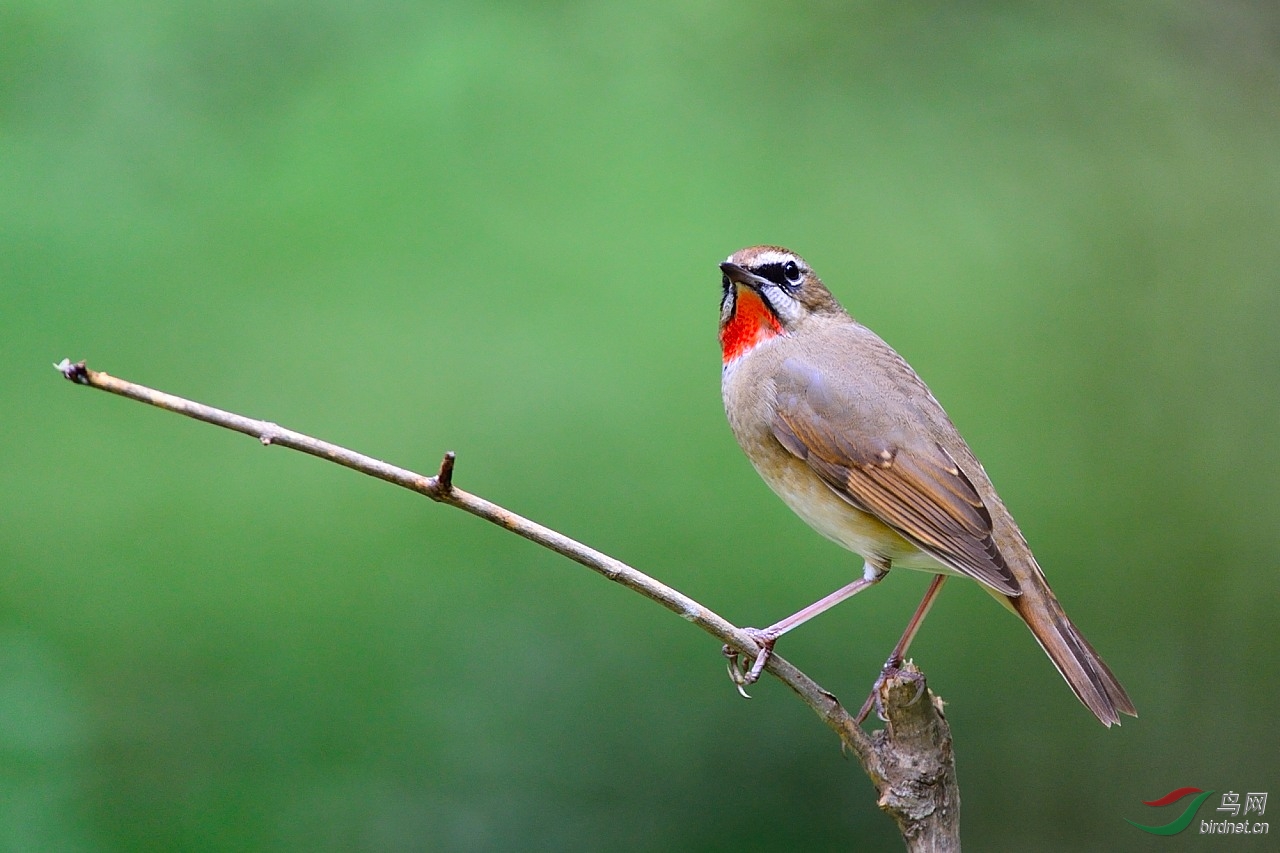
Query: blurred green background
[[493, 228]]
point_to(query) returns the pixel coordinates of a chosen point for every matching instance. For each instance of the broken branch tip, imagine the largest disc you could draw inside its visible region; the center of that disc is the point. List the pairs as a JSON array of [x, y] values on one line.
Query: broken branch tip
[[445, 477], [76, 371]]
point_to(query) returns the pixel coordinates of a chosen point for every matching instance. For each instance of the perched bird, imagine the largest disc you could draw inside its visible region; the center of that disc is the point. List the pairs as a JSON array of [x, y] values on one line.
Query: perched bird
[[846, 433]]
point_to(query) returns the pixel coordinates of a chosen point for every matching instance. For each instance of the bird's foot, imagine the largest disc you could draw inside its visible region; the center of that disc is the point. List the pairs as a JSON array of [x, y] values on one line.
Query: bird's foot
[[742, 675], [892, 667]]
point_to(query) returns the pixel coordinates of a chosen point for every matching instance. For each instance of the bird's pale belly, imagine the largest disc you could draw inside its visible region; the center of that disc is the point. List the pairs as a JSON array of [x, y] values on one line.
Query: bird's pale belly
[[864, 534]]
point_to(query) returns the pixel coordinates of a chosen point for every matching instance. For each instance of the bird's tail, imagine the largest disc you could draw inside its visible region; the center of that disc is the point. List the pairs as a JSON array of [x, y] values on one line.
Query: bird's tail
[[1089, 678]]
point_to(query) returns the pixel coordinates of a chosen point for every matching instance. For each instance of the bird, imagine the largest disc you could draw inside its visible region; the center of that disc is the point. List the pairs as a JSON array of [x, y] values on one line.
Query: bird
[[846, 433]]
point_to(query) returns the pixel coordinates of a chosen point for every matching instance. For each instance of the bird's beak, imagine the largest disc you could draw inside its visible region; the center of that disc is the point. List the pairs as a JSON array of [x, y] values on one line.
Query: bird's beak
[[737, 275]]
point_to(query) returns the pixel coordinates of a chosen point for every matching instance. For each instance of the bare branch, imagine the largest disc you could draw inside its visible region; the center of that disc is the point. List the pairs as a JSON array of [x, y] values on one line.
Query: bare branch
[[917, 730]]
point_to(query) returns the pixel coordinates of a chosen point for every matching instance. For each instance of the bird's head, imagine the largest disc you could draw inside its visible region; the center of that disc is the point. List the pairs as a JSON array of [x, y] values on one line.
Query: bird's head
[[768, 291]]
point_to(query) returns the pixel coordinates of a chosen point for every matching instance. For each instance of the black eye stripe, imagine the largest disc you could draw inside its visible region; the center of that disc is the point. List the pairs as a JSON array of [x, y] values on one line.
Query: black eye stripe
[[777, 273], [773, 272]]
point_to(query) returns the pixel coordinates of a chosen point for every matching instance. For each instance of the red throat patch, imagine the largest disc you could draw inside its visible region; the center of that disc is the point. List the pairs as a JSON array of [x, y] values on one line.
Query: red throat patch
[[752, 323]]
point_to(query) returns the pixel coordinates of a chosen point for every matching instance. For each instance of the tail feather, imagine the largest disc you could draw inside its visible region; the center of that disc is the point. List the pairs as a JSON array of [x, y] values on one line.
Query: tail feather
[[1088, 676]]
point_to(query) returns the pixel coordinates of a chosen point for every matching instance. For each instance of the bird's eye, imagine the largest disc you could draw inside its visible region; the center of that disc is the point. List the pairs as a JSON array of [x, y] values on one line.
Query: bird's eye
[[791, 271]]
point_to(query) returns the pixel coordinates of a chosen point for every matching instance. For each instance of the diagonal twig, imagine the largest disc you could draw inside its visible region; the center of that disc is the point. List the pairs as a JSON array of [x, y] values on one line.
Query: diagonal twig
[[881, 757]]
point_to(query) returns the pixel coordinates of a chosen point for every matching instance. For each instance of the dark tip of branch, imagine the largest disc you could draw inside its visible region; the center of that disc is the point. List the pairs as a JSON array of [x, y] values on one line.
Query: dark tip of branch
[[445, 477], [77, 372]]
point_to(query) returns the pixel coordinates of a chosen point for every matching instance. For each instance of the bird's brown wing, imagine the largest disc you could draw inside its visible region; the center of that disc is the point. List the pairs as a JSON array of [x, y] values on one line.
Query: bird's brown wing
[[913, 486]]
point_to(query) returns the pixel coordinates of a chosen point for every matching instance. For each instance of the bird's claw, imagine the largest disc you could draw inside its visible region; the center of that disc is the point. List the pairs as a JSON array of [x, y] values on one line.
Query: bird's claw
[[892, 667], [742, 675], [736, 675]]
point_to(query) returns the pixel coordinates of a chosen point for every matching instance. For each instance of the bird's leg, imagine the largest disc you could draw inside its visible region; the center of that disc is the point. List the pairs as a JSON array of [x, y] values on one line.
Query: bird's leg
[[873, 572], [899, 653]]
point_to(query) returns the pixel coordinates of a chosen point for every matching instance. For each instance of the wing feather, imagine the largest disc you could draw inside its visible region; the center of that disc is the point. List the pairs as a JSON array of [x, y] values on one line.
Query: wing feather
[[913, 486]]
